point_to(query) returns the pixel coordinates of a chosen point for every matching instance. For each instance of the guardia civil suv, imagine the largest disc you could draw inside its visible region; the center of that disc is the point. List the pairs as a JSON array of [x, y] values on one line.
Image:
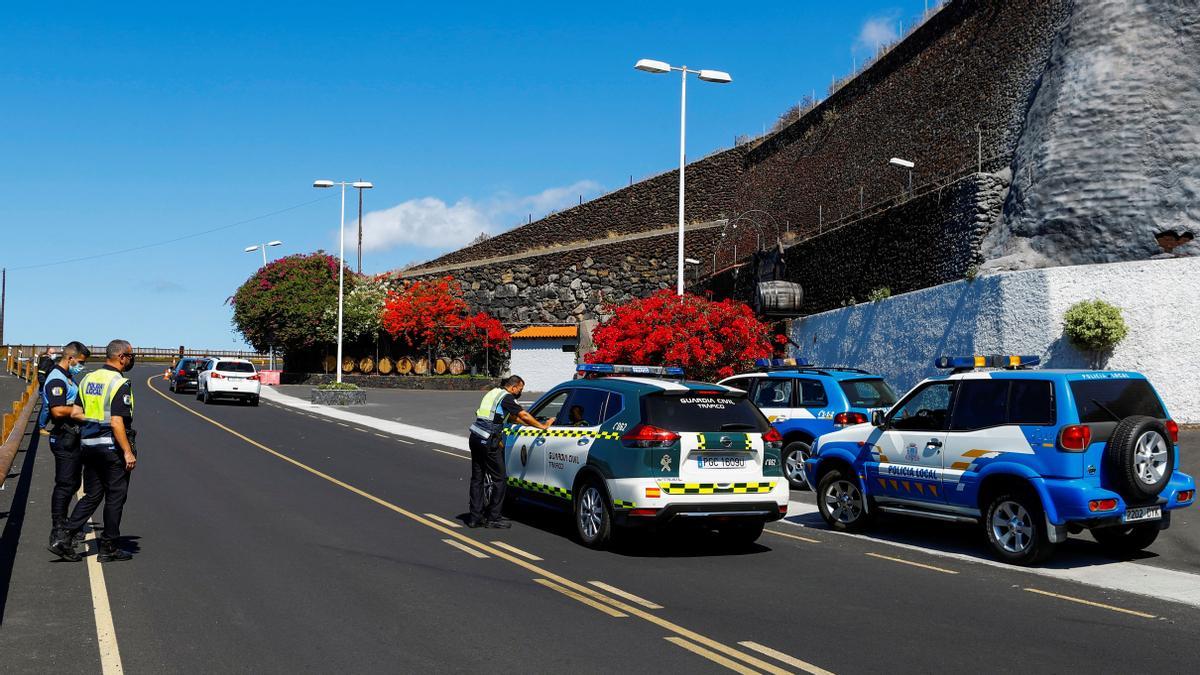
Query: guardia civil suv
[[1030, 455], [803, 401], [629, 451]]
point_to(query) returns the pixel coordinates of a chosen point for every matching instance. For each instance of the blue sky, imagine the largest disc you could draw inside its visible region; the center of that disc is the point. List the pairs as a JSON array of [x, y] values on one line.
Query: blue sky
[[129, 124]]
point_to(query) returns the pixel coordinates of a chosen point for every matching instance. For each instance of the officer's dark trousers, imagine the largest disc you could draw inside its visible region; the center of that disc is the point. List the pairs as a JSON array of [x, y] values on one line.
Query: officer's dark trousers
[[487, 464], [67, 468], [104, 479]]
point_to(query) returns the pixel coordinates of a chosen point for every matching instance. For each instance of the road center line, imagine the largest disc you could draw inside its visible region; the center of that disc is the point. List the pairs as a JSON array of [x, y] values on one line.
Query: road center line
[[106, 632], [509, 547], [791, 536], [465, 549], [585, 600], [492, 550], [447, 523], [625, 594], [1092, 604], [785, 658], [711, 655], [914, 564]]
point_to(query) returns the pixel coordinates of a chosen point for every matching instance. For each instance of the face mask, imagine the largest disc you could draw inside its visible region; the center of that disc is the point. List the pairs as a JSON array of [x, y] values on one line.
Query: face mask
[[132, 359], [75, 369]]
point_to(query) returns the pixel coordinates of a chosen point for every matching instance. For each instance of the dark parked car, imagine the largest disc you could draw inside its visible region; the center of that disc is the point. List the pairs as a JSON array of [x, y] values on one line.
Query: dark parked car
[[184, 374]]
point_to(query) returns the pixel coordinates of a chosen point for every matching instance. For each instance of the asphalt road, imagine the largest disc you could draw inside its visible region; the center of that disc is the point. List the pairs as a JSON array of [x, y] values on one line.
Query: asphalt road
[[269, 540]]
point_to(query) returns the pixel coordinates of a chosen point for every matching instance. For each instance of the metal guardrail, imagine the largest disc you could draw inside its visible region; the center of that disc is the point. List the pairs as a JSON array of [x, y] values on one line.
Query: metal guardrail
[[14, 423], [24, 352]]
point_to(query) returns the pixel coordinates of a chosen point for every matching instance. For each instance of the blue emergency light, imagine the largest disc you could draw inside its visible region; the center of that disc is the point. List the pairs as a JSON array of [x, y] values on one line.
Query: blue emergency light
[[972, 362], [623, 369], [781, 363]]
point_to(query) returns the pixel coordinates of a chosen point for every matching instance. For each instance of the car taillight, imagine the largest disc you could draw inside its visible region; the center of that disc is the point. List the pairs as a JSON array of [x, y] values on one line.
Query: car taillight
[[253, 377], [847, 418], [1172, 430], [1184, 495], [1075, 438], [773, 439], [647, 436], [217, 376], [179, 374], [1102, 505]]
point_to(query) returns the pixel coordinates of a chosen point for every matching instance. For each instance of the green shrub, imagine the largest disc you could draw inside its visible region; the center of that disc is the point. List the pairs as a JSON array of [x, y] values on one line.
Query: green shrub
[[1094, 325], [881, 293], [338, 386]]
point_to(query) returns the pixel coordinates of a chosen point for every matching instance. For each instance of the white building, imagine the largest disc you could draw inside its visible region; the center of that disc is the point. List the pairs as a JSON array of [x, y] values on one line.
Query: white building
[[544, 356]]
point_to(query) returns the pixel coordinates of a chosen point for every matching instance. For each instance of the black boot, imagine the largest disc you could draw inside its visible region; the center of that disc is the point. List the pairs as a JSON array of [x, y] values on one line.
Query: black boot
[[110, 553], [63, 548], [56, 530]]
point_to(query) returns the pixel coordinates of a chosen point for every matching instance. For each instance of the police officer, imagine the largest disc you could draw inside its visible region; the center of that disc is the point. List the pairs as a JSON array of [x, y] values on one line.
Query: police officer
[[61, 408], [107, 452], [487, 449]]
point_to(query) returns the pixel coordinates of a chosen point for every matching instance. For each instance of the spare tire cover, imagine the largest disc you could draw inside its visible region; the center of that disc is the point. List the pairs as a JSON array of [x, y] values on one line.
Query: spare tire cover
[[1139, 457]]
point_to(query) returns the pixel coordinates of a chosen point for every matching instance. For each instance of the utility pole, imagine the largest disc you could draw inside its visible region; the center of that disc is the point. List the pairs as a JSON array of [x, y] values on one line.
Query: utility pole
[[3, 295], [359, 233]]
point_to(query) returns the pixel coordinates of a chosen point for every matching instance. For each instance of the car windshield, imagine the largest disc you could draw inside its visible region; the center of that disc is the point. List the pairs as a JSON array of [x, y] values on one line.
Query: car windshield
[[235, 367], [1114, 400], [696, 411], [869, 393]]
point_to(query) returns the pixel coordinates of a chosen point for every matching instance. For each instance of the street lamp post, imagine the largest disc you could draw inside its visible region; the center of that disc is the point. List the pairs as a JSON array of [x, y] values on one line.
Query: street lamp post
[[263, 248], [361, 185], [717, 76], [904, 164]]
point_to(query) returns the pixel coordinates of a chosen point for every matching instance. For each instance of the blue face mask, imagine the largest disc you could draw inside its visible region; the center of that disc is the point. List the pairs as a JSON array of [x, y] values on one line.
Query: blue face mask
[[75, 369]]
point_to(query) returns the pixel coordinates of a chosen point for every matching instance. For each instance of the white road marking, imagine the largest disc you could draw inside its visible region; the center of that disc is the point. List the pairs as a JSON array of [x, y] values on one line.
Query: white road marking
[[625, 594], [1092, 604], [711, 655], [106, 632], [513, 549], [785, 658], [791, 536], [465, 549], [582, 598], [445, 521], [1127, 577]]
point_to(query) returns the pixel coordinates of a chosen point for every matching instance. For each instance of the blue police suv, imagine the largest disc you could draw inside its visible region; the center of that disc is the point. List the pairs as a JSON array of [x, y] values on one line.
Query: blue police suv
[[803, 401], [1030, 455]]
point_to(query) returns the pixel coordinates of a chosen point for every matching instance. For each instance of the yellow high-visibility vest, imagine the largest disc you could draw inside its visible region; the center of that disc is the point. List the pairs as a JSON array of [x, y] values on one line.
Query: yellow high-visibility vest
[[98, 389], [489, 407]]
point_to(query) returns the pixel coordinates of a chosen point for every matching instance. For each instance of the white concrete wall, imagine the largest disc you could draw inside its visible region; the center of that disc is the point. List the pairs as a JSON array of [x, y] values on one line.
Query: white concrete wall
[[1021, 313], [542, 363]]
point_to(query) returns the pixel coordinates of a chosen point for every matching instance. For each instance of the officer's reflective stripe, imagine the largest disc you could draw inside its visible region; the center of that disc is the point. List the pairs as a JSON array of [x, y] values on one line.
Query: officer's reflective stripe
[[490, 405], [110, 392], [99, 440], [480, 432]]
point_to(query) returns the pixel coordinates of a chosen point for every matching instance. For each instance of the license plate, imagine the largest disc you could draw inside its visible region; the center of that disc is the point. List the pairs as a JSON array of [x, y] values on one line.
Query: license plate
[[1142, 513], [720, 462]]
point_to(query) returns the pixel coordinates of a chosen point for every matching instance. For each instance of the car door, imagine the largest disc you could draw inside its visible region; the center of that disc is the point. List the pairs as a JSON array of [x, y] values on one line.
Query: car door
[[525, 456], [774, 397], [908, 456], [572, 437]]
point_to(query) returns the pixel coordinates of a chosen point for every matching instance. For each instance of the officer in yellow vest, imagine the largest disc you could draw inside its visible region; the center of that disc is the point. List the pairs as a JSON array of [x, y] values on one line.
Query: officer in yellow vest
[[107, 453], [487, 449]]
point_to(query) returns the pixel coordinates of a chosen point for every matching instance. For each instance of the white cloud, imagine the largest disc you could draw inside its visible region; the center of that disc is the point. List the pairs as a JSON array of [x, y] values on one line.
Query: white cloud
[[877, 31], [429, 221]]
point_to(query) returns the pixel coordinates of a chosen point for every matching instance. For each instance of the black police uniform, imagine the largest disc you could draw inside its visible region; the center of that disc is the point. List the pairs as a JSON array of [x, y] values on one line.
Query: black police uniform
[[64, 445], [487, 463]]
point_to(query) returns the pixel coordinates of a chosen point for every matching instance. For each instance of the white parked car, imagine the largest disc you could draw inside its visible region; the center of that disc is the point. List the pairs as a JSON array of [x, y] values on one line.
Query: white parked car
[[230, 378]]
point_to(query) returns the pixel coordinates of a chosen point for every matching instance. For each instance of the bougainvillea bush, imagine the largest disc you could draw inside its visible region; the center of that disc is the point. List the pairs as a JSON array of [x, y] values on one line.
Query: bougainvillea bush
[[362, 311], [432, 316], [284, 303], [710, 340]]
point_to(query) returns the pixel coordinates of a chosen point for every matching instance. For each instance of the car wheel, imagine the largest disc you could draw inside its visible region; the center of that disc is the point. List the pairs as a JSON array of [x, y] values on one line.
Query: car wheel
[[1141, 456], [199, 395], [1123, 540], [593, 516], [253, 400], [793, 464], [1016, 529], [741, 534], [841, 502], [172, 387], [207, 397]]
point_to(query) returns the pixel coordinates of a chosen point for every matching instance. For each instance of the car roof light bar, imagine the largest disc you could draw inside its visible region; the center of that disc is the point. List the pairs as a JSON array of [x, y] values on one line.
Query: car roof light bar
[[626, 369], [1007, 361]]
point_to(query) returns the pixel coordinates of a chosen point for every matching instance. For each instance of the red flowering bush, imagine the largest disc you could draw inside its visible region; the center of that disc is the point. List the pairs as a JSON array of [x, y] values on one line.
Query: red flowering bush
[[433, 315], [710, 340]]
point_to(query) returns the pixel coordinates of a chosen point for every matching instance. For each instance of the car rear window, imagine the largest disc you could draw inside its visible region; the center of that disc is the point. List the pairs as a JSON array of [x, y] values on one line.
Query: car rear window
[[235, 367], [1114, 400], [691, 411], [869, 393]]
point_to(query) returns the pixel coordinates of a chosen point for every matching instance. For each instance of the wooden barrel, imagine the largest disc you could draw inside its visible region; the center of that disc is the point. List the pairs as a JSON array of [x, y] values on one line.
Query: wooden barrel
[[441, 364], [780, 297], [385, 365], [404, 365], [329, 363], [458, 367], [421, 367], [366, 364], [347, 364]]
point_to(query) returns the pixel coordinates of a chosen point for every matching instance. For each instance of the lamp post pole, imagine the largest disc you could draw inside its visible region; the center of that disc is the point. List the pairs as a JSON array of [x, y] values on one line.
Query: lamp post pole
[[360, 185], [360, 231]]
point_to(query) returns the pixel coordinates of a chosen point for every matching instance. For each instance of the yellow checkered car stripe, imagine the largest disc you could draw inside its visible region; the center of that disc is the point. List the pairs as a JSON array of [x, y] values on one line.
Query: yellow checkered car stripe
[[562, 433], [744, 444], [717, 488], [538, 487]]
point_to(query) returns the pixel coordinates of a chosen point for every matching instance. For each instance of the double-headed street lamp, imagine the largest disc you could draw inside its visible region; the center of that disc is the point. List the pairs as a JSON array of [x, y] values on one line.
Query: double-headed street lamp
[[904, 164], [263, 248], [718, 76], [360, 185]]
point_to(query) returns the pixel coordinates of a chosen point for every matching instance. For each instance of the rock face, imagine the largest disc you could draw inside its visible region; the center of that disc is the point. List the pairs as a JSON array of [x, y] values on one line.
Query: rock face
[[1107, 167]]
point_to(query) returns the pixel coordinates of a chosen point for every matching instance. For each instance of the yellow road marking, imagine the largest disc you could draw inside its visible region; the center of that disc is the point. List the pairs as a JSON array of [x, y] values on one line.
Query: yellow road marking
[[106, 632], [465, 549], [785, 658], [1089, 603], [711, 656], [585, 600], [444, 521], [499, 553], [791, 536], [625, 594], [509, 547], [914, 564]]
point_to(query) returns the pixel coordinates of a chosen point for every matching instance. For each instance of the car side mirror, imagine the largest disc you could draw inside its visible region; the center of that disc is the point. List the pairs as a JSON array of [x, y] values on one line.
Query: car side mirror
[[877, 418]]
